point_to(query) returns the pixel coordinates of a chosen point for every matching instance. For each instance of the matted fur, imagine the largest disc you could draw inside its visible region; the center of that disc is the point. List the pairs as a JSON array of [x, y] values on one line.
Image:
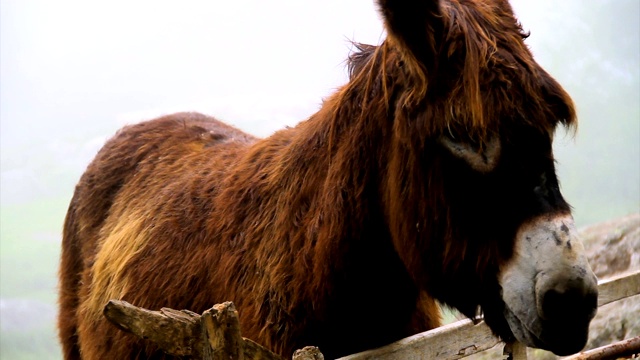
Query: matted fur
[[318, 229]]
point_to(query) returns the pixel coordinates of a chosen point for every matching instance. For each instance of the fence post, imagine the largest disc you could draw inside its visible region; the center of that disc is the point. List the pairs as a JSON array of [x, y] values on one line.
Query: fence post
[[221, 333], [308, 353], [214, 335], [515, 351]]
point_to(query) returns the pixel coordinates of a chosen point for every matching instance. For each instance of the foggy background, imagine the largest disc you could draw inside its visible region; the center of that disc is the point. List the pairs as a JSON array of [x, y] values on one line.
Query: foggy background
[[73, 72]]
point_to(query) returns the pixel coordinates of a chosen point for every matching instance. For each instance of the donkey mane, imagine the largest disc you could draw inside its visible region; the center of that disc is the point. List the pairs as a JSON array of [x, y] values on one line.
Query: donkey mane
[[476, 41]]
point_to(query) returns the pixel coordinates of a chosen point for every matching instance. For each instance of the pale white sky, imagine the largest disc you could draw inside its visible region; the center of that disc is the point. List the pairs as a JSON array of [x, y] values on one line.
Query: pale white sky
[[255, 64], [74, 71], [259, 65]]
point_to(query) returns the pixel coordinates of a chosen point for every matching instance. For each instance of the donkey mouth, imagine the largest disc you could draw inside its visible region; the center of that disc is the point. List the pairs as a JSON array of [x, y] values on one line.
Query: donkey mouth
[[560, 338]]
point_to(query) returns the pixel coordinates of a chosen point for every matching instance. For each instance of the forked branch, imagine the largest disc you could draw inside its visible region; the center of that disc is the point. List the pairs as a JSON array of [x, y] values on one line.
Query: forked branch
[[620, 349], [213, 336]]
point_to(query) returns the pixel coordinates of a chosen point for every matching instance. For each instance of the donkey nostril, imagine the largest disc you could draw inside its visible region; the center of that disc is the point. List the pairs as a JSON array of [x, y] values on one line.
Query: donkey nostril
[[571, 304], [552, 304]]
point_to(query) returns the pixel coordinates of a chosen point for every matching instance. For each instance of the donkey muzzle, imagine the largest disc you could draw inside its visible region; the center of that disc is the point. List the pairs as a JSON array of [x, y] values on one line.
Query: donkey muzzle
[[549, 289]]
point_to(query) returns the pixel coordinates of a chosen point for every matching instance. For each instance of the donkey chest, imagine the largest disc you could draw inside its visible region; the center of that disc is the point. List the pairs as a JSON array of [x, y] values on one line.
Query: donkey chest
[[371, 307]]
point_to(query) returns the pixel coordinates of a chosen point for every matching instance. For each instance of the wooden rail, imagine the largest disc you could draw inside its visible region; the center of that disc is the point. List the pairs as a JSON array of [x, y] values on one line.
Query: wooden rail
[[215, 335], [464, 338], [620, 349]]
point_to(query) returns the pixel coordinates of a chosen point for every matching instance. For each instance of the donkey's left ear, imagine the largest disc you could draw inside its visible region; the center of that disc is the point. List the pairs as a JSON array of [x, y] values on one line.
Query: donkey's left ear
[[416, 25]]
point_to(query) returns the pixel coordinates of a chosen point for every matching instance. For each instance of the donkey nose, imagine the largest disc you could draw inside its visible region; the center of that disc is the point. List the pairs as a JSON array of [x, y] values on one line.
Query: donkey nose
[[574, 300]]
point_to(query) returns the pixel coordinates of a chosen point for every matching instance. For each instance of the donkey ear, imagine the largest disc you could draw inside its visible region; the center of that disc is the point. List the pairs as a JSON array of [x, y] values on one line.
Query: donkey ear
[[416, 25], [481, 157]]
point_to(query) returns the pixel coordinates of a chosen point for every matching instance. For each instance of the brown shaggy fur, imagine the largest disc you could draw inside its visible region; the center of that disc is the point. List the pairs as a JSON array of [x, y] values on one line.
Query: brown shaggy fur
[[316, 230]]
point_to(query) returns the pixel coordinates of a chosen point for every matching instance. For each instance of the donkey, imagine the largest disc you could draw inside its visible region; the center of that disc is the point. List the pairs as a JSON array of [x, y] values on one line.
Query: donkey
[[429, 177]]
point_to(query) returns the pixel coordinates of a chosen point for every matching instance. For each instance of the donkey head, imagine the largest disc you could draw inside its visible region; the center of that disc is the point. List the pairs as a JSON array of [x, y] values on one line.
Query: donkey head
[[473, 122]]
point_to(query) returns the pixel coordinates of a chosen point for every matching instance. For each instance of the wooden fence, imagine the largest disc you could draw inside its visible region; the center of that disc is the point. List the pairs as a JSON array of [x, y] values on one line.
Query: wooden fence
[[215, 335], [464, 338]]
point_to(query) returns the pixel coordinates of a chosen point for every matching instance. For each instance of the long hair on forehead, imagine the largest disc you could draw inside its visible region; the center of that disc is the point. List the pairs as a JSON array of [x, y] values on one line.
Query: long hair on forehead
[[484, 70]]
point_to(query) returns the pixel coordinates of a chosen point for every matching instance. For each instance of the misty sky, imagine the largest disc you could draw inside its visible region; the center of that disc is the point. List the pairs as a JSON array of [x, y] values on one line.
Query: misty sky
[[120, 61], [74, 71], [256, 64]]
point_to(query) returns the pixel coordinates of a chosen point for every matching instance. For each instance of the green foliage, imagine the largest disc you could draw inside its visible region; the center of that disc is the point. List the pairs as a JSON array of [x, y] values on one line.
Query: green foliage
[[31, 344], [29, 252]]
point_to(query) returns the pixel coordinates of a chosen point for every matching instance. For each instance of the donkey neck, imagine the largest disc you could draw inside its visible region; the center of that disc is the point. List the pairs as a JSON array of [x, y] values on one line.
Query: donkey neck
[[352, 257]]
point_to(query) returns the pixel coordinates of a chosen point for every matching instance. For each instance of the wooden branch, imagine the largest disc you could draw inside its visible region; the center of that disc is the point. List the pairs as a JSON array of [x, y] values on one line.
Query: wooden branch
[[515, 351], [449, 342], [213, 336], [308, 353], [175, 332], [216, 334], [618, 288], [463, 338], [616, 350], [221, 331], [255, 351], [184, 333]]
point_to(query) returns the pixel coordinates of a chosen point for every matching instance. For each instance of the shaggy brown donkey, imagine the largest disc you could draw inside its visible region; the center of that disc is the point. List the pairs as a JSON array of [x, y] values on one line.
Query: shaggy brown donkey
[[429, 176]]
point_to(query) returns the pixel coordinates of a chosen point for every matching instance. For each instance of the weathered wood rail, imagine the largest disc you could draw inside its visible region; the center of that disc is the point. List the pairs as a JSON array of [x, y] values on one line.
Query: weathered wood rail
[[464, 338], [215, 335]]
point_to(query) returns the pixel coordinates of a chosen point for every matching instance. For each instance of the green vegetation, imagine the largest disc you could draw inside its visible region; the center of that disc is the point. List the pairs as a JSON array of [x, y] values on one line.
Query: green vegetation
[[29, 253], [35, 343]]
